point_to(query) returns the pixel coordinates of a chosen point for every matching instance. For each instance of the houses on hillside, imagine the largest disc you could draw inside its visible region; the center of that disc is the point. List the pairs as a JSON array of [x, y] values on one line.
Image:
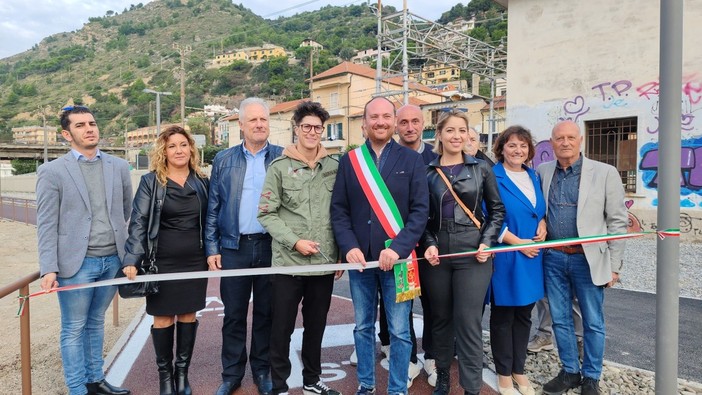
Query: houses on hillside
[[251, 55], [343, 90]]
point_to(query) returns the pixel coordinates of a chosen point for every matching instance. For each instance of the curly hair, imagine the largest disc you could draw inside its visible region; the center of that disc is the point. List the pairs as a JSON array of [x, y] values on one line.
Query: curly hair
[[522, 133], [441, 124], [157, 157], [306, 108]]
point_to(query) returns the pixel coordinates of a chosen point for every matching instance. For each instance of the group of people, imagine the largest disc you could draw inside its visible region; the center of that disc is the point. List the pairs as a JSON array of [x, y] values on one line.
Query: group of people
[[298, 206]]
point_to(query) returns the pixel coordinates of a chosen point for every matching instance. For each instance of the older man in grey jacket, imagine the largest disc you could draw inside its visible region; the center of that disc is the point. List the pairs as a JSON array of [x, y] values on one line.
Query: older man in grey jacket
[[584, 198], [83, 204]]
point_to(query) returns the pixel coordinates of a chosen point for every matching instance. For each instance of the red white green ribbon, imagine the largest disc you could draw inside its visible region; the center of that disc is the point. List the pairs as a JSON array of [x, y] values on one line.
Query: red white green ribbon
[[290, 270], [384, 206]]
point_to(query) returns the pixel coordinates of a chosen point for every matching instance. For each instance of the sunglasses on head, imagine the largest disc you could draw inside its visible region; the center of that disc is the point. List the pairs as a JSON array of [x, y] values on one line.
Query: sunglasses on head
[[71, 108]]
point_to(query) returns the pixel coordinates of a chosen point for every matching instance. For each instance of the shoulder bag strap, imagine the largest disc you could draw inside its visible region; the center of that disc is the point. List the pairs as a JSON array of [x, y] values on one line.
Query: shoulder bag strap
[[151, 245], [458, 200]]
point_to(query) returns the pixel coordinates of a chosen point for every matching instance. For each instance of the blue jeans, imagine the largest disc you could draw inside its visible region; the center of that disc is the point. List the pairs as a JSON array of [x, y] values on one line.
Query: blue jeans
[[568, 276], [364, 293], [83, 322], [235, 293]]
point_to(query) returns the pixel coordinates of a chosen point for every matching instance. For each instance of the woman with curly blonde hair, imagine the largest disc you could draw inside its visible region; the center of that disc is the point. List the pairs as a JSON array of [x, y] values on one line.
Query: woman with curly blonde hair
[[169, 214]]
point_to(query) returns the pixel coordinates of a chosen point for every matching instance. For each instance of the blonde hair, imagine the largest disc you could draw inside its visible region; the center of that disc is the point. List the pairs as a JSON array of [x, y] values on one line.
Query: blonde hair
[[157, 157], [441, 123]]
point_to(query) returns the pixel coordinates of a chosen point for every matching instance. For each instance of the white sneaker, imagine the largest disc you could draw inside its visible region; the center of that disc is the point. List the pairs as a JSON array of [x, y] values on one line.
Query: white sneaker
[[353, 359], [430, 369], [385, 350], [413, 371]]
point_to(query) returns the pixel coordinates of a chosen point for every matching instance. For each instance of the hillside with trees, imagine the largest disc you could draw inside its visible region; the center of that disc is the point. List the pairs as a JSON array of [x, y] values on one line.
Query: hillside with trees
[[110, 61]]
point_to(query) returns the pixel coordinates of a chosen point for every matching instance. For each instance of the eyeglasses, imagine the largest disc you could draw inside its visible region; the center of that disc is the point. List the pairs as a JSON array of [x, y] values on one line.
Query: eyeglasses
[[306, 127], [71, 108]]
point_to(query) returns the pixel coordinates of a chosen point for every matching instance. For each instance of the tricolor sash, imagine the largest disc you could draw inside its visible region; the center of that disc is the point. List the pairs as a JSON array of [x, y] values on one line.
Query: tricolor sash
[[384, 207]]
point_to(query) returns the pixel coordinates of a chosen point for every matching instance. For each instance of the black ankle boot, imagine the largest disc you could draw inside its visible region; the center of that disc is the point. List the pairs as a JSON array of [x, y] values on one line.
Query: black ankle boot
[[163, 345], [185, 341], [443, 382]]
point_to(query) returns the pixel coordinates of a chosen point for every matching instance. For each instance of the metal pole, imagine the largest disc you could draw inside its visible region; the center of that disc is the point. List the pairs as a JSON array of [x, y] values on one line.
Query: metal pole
[[182, 88], [379, 57], [668, 261], [158, 113], [405, 72], [492, 111], [25, 345], [46, 143], [115, 310]]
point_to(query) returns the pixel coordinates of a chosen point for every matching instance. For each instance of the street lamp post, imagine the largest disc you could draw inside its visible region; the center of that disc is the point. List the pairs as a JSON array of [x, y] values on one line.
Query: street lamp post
[[158, 106]]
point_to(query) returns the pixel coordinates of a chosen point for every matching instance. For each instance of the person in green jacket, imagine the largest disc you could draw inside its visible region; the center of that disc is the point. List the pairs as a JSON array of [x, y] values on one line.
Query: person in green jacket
[[294, 209]]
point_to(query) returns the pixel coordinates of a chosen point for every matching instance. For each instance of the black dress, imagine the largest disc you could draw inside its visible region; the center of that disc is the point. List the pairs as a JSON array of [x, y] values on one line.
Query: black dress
[[179, 250]]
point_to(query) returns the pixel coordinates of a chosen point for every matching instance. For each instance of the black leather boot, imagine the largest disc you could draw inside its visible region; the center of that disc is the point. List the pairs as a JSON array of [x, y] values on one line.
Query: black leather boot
[[443, 382], [163, 345], [185, 341]]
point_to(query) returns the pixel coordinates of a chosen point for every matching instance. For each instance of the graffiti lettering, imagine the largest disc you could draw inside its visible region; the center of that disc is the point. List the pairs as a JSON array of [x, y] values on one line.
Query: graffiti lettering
[[544, 153], [574, 109], [619, 88], [648, 89], [693, 91], [690, 166]]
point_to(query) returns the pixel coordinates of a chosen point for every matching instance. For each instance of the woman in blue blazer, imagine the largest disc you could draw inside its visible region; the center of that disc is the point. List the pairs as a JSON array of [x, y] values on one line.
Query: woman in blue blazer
[[517, 281]]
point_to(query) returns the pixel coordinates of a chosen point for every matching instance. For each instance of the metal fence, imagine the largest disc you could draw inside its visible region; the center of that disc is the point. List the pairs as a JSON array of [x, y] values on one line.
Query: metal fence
[[20, 210]]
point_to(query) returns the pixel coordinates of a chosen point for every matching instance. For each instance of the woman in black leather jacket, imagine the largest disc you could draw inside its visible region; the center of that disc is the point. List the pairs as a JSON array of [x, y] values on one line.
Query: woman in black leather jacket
[[169, 210], [456, 287]]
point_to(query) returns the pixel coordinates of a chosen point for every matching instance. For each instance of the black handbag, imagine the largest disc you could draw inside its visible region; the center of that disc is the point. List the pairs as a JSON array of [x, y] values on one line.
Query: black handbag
[[146, 267], [140, 289]]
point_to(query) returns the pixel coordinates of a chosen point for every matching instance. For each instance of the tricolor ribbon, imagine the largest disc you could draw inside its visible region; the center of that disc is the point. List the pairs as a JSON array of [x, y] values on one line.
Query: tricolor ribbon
[[336, 266]]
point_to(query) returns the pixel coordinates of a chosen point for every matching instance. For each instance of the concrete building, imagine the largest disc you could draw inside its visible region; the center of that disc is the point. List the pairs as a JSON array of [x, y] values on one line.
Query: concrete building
[[251, 55], [472, 106], [437, 74], [368, 55], [344, 89], [597, 63], [280, 123], [34, 135], [308, 42], [147, 135]]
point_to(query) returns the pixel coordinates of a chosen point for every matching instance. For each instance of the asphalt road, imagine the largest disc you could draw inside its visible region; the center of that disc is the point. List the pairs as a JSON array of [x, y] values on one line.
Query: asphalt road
[[631, 329], [630, 316]]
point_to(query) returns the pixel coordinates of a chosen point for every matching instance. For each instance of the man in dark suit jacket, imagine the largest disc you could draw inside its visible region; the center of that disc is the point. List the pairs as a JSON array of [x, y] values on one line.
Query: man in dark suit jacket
[[361, 237], [84, 200]]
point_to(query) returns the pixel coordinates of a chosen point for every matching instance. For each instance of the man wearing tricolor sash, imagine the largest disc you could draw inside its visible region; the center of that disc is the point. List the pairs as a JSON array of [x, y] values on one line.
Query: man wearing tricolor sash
[[379, 209]]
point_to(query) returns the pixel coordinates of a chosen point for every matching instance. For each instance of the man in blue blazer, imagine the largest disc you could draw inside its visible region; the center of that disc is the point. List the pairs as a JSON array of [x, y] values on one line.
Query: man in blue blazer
[[583, 198], [84, 200], [361, 238]]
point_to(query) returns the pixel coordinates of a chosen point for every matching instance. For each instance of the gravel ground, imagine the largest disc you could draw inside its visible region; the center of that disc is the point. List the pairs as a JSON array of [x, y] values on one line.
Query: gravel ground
[[639, 274], [639, 271]]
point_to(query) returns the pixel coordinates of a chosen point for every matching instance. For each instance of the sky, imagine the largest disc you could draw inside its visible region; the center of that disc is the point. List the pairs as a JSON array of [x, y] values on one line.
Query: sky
[[23, 24]]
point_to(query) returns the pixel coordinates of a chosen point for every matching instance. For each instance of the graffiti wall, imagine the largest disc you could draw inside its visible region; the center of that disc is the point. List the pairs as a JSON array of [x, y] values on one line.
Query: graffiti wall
[[618, 98]]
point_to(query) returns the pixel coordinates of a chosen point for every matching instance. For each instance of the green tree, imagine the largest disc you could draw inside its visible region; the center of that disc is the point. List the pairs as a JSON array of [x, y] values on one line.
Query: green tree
[[209, 152], [23, 166], [200, 125], [347, 53]]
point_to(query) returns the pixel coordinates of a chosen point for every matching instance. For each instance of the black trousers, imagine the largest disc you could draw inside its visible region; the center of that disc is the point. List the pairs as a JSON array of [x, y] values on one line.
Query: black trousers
[[253, 252], [315, 294], [509, 337], [456, 289]]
